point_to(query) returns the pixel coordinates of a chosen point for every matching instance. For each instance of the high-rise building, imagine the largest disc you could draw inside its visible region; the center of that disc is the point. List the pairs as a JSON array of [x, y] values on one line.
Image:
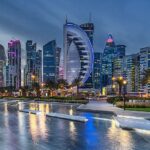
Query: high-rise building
[[58, 52], [144, 65], [49, 61], [97, 70], [14, 64], [107, 65], [131, 72], [119, 51], [89, 29], [2, 66], [38, 66], [78, 54], [30, 66], [119, 54]]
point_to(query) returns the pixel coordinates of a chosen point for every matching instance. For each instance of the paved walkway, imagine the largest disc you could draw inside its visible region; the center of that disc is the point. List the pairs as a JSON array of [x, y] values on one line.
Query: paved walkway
[[124, 119], [109, 108]]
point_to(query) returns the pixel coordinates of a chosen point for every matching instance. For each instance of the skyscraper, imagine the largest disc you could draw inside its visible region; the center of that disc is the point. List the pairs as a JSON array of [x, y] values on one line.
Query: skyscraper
[[89, 29], [97, 70], [2, 65], [144, 65], [119, 51], [38, 66], [119, 54], [78, 54], [29, 69], [131, 72], [14, 64], [49, 61], [107, 65], [58, 52]]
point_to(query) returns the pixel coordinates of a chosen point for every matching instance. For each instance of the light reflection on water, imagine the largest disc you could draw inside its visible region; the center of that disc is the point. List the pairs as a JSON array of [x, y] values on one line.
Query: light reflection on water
[[29, 131]]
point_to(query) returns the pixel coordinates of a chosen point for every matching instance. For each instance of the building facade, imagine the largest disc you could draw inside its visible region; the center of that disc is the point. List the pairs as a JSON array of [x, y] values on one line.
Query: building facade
[[97, 71], [30, 66], [14, 64], [49, 61], [144, 65], [89, 30], [2, 66], [78, 54], [107, 63], [58, 54], [38, 66]]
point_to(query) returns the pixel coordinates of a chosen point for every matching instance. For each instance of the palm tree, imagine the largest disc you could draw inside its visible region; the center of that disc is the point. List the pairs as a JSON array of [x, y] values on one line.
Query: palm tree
[[36, 87], [50, 85], [61, 83], [76, 82], [146, 78]]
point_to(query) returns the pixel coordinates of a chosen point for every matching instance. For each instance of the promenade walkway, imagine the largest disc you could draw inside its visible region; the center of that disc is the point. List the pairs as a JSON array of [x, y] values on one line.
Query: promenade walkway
[[95, 106], [124, 119]]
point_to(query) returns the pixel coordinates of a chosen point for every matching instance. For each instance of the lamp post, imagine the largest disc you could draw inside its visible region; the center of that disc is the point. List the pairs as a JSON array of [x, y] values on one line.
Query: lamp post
[[42, 85], [124, 88]]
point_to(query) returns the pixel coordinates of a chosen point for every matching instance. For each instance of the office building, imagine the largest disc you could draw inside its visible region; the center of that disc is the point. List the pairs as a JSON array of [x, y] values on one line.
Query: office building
[[78, 54], [2, 66], [14, 64], [144, 65], [30, 66], [97, 76], [49, 61], [89, 30]]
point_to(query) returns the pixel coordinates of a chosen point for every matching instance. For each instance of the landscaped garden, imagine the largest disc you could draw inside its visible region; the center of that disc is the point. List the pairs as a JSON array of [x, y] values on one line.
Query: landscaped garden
[[131, 103]]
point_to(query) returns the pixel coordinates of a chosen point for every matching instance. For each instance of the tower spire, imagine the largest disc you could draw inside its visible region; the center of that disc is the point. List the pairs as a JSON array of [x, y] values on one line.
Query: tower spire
[[66, 19], [90, 17]]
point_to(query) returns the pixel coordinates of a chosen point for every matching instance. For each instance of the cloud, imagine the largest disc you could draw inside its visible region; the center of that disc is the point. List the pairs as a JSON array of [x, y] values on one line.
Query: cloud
[[42, 20]]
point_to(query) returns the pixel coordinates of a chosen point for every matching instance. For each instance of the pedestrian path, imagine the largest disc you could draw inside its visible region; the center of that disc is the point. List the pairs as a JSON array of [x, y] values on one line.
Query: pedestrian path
[[123, 119]]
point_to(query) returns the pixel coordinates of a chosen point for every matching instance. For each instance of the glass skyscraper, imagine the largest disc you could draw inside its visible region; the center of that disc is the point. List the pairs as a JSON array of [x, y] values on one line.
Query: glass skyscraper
[[107, 65], [97, 71], [49, 61], [14, 64], [144, 65], [89, 29], [2, 66], [30, 66], [78, 54]]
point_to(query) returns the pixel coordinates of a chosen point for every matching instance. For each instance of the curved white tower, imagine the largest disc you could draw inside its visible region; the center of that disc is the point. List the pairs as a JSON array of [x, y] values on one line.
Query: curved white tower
[[78, 53]]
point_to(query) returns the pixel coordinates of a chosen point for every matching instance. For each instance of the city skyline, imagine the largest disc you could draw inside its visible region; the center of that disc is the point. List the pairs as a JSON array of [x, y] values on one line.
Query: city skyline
[[46, 25]]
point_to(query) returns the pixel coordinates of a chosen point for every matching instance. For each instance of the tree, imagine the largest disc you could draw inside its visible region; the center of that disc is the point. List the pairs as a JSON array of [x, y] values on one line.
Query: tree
[[50, 85], [36, 87], [24, 90], [61, 83], [76, 82], [146, 78]]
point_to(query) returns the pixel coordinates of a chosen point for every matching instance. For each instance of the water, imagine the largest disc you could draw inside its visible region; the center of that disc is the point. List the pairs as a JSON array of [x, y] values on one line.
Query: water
[[22, 131]]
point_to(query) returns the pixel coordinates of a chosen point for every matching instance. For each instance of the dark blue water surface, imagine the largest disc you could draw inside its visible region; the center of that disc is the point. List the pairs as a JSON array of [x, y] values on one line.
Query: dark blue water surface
[[22, 131]]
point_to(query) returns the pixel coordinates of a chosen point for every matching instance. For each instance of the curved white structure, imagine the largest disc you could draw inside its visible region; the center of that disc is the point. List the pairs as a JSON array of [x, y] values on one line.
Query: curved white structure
[[78, 54]]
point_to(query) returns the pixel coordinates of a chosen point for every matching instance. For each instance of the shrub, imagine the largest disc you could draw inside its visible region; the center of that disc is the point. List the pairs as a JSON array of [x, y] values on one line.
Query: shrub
[[133, 105], [113, 100]]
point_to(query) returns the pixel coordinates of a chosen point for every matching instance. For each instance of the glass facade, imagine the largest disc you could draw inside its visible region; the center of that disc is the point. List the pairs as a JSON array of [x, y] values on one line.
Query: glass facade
[[14, 64], [49, 61], [97, 70], [107, 65], [89, 29], [78, 54]]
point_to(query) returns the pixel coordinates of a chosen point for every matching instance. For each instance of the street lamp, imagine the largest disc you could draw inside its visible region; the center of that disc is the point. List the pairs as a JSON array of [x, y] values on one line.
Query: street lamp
[[124, 86]]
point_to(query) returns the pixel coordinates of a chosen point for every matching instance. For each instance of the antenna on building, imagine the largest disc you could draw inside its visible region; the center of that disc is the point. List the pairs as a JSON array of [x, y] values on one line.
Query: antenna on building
[[66, 19], [90, 17]]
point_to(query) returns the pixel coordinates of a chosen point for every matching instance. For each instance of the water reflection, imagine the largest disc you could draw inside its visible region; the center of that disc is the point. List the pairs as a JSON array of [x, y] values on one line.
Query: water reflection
[[116, 134], [29, 131]]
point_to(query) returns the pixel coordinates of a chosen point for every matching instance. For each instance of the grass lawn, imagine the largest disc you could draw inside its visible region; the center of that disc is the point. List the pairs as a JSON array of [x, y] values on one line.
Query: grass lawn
[[139, 109]]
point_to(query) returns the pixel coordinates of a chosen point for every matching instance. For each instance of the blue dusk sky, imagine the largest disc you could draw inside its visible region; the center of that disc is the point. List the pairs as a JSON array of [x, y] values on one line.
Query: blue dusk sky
[[42, 20]]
